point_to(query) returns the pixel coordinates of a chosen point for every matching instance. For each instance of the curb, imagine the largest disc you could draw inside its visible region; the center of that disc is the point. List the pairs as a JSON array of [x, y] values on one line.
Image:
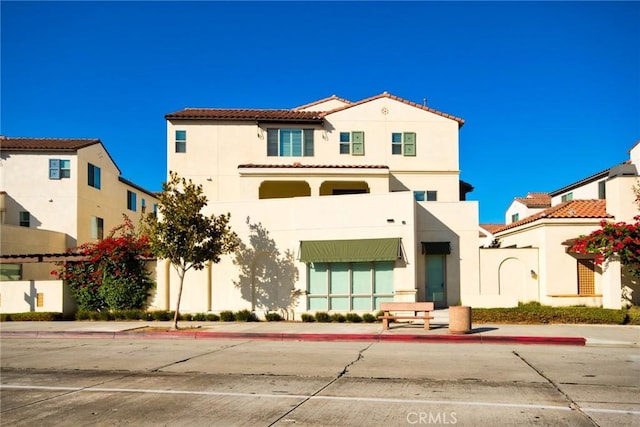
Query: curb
[[318, 337]]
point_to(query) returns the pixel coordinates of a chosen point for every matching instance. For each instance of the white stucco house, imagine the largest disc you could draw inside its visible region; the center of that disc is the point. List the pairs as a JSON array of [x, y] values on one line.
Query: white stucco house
[[340, 206], [534, 262], [55, 194]]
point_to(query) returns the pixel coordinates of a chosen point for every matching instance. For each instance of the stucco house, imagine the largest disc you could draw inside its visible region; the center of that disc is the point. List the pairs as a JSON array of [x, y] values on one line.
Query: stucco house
[[56, 193], [534, 262], [340, 206]]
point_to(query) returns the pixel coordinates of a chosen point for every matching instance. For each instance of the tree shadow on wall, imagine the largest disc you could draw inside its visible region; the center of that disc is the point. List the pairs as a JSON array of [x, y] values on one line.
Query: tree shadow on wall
[[267, 276]]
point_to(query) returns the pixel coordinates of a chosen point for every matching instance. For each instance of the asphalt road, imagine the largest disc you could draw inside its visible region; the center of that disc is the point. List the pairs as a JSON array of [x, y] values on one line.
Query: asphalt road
[[154, 382]]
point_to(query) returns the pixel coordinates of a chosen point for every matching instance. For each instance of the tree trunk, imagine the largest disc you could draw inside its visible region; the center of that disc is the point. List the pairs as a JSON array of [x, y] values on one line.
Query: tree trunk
[[176, 316]]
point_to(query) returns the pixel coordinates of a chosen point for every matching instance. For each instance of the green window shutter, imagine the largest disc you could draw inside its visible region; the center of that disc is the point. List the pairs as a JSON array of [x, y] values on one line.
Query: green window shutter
[[54, 169], [272, 142], [409, 144], [357, 143], [308, 142]]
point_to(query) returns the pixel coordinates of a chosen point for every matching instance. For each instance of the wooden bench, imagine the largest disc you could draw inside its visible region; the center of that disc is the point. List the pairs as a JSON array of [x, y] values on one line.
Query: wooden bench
[[400, 310]]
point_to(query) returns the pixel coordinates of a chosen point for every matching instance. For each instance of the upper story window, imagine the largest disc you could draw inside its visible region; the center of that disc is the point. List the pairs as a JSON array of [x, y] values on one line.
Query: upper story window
[[567, 197], [352, 143], [290, 142], [181, 141], [143, 205], [97, 227], [93, 176], [131, 200], [515, 217], [403, 143], [602, 190], [25, 219], [59, 168], [419, 196], [432, 196]]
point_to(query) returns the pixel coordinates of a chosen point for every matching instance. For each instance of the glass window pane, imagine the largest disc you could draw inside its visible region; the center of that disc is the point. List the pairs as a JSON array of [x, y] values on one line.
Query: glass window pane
[[419, 196], [378, 300], [339, 303], [383, 277], [318, 303], [181, 135], [296, 142], [318, 278], [339, 278], [361, 273], [344, 136], [396, 137], [285, 142], [396, 149], [361, 303]]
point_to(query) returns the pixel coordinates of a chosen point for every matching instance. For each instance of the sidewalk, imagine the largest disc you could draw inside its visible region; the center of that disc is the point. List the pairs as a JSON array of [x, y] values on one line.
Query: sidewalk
[[557, 334]]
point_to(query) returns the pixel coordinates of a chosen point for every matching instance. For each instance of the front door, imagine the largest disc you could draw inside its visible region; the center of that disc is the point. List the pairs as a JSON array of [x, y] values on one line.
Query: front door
[[436, 283]]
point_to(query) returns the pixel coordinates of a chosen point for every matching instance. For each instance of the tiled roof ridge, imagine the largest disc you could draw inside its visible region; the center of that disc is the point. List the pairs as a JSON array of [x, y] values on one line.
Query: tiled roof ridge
[[397, 98], [310, 166], [598, 211], [35, 143], [320, 101], [243, 114]]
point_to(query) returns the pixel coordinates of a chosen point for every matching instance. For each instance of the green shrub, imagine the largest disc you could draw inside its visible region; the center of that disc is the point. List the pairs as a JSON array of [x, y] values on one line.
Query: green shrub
[[536, 313], [245, 316], [353, 318], [368, 318], [633, 316], [211, 317], [306, 317], [273, 317], [338, 318], [187, 317], [31, 316], [227, 316], [162, 315], [323, 317], [83, 315]]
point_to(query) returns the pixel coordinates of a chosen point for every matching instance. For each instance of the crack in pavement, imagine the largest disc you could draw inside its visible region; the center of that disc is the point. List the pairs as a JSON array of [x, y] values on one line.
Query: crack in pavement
[[573, 405], [324, 387], [196, 356]]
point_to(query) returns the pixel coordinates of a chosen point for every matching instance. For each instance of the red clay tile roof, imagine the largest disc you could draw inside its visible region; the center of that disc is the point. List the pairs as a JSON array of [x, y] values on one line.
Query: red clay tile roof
[[413, 104], [596, 209], [320, 101], [293, 115], [491, 228], [44, 144], [535, 200], [300, 165], [246, 114]]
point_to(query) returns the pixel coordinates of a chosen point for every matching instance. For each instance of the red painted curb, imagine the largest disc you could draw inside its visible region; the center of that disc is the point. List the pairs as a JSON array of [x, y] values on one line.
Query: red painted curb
[[327, 337]]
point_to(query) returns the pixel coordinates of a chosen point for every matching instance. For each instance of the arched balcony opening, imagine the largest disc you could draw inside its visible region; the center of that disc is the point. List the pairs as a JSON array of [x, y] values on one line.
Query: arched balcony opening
[[284, 189], [335, 188]]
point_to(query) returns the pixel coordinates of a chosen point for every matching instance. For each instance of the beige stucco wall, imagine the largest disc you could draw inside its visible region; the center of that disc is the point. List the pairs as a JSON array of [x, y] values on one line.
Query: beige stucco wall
[[16, 240], [584, 192], [621, 198], [216, 148], [21, 297], [51, 202]]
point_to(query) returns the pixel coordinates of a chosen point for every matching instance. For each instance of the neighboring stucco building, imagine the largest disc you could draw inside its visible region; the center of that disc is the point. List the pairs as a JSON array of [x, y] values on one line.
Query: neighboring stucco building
[[340, 205], [55, 194], [553, 275]]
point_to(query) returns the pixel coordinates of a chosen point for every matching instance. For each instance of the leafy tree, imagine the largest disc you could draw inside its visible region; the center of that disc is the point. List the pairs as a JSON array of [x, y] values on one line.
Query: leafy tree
[[113, 275], [183, 235]]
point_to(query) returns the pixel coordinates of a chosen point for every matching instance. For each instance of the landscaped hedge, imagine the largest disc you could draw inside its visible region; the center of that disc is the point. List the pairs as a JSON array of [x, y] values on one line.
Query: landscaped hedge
[[534, 313], [35, 316]]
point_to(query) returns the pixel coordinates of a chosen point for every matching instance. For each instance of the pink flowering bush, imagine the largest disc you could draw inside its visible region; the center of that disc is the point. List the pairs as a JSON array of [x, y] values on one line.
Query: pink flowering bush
[[113, 275], [613, 239]]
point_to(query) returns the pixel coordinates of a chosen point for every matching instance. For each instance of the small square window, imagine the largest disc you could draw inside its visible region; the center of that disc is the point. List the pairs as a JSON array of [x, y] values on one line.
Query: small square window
[[567, 197], [345, 143], [25, 219], [432, 196], [181, 141], [396, 143], [419, 196], [65, 168], [515, 217]]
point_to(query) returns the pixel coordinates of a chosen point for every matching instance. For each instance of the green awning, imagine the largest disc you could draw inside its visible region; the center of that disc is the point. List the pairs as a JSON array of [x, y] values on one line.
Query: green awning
[[360, 250]]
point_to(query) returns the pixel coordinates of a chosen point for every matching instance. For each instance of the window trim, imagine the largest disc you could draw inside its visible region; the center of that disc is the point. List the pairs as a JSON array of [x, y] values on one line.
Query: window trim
[[180, 141], [401, 146]]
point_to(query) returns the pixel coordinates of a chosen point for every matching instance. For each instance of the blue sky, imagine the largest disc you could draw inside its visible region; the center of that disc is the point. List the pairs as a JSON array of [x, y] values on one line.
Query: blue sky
[[550, 91]]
